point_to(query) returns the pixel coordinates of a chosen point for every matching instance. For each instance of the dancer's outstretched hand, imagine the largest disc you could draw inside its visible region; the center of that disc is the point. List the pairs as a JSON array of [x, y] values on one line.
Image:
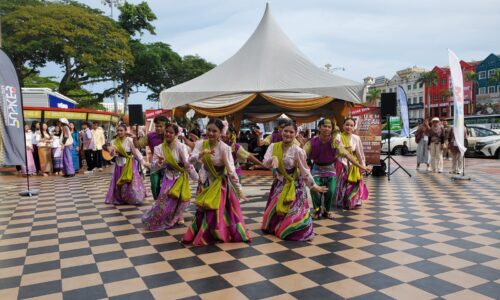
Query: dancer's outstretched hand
[[319, 189]]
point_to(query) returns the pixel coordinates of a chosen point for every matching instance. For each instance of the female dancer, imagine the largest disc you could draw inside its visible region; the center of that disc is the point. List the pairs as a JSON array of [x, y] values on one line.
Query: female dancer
[[44, 150], [351, 189], [57, 157], [31, 170], [126, 185], [287, 211], [324, 153], [75, 153], [172, 157], [218, 216]]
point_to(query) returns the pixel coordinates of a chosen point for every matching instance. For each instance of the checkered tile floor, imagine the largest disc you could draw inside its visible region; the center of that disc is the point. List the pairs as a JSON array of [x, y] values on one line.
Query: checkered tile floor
[[423, 237]]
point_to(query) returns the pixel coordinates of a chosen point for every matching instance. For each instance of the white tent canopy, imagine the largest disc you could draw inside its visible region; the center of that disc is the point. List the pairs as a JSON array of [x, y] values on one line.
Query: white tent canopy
[[268, 65]]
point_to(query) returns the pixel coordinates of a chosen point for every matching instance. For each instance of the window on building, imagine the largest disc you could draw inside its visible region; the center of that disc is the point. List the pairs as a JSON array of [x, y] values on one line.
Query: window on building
[[436, 98], [443, 98], [415, 86], [443, 81], [482, 75], [491, 90], [390, 90], [409, 87], [482, 91], [421, 85], [420, 99], [490, 73]]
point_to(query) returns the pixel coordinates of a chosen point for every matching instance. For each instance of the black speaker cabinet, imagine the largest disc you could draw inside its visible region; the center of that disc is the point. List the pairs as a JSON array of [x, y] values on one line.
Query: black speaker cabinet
[[388, 105], [135, 114]]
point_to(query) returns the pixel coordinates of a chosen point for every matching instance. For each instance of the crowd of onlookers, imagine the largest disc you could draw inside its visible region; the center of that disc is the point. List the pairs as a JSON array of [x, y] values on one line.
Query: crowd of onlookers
[[45, 143], [436, 142]]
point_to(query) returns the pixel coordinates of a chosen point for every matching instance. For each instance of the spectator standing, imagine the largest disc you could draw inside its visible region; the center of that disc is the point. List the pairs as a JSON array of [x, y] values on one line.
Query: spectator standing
[[30, 163], [88, 147], [436, 145], [422, 139], [44, 151], [99, 141]]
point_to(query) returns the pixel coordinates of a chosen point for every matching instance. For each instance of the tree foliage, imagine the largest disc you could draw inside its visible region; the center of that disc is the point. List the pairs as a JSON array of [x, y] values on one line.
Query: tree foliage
[[136, 18], [88, 46], [373, 95]]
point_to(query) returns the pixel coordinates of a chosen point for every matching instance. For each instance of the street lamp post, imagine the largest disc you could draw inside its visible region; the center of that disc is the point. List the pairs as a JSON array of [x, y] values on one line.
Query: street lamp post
[[115, 3]]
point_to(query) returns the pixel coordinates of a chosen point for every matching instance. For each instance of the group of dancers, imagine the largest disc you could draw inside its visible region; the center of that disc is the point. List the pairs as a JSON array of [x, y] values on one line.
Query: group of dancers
[[335, 176]]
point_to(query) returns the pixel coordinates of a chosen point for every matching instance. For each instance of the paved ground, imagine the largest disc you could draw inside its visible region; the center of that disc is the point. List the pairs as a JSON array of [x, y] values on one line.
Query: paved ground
[[423, 237]]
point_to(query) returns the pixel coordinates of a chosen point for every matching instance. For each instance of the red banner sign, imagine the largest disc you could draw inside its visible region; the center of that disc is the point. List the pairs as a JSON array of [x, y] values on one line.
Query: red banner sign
[[369, 129]]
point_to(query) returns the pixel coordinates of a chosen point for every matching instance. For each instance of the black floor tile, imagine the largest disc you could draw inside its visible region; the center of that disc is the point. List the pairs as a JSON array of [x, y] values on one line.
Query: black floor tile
[[377, 281], [428, 267], [490, 289], [244, 252], [283, 256], [315, 293], [88, 293], [118, 275], [260, 290], [436, 286], [142, 295], [40, 289], [273, 271], [328, 260], [146, 259], [187, 262], [377, 263], [228, 267], [109, 256], [324, 276], [79, 270], [154, 281], [209, 284], [40, 267]]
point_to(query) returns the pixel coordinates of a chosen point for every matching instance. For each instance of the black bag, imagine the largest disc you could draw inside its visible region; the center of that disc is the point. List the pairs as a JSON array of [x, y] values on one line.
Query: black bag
[[379, 170]]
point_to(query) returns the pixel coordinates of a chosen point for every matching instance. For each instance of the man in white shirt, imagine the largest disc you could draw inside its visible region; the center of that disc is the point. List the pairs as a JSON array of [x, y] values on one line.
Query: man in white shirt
[[99, 141]]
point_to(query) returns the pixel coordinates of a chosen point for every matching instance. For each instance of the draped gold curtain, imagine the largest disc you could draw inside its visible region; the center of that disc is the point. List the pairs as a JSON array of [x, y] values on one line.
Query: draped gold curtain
[[303, 104], [224, 110]]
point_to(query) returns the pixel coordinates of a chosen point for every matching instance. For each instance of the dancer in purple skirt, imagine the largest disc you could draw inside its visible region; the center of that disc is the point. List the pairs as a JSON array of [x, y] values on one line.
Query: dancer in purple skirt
[[126, 185], [172, 157]]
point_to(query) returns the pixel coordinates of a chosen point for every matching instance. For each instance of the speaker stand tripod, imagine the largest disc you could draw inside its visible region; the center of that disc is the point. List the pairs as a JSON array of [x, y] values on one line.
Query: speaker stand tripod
[[389, 156]]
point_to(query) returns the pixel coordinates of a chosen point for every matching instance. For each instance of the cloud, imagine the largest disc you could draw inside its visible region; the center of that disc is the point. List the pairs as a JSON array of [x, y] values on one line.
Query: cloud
[[367, 38]]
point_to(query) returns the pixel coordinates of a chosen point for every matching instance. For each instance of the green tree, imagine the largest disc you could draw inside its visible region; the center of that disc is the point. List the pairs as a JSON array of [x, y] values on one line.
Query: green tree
[[89, 47], [428, 79], [8, 6], [136, 18], [373, 95]]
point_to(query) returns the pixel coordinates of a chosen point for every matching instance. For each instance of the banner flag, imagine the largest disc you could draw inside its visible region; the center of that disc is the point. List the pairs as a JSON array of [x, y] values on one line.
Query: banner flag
[[403, 104], [458, 100], [12, 144]]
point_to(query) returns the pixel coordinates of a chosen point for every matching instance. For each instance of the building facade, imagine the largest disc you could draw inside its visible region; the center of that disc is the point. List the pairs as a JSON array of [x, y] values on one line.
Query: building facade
[[111, 107], [487, 90], [441, 96]]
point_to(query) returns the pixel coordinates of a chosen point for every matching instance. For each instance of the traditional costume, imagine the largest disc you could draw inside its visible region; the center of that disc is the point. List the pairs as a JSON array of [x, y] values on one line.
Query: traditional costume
[[287, 210], [126, 185], [324, 158], [218, 216], [174, 194], [350, 187], [30, 162]]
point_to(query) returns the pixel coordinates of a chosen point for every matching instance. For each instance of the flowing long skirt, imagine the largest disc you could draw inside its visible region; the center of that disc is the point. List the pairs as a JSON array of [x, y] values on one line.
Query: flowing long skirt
[[76, 159], [45, 155], [166, 210], [296, 225], [225, 224], [132, 193], [349, 194], [36, 157], [31, 164], [68, 168], [57, 162], [422, 152]]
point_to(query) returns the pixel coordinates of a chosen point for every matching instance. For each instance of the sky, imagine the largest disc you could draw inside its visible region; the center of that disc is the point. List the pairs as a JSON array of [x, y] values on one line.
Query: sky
[[361, 37]]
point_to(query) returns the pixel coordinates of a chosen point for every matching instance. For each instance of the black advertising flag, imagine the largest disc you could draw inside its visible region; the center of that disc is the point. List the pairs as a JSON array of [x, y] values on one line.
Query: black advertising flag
[[12, 144]]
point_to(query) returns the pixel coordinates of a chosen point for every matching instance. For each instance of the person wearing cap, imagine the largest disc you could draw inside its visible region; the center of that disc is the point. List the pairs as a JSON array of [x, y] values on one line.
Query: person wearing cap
[[67, 148], [436, 145]]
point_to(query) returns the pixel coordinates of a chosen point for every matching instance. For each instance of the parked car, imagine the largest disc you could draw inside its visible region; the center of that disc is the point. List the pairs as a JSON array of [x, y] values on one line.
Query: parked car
[[397, 142], [483, 142]]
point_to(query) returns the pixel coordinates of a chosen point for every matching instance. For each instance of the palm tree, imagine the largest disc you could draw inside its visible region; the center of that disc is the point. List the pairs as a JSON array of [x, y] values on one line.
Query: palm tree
[[445, 94], [429, 79], [471, 77], [373, 95]]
